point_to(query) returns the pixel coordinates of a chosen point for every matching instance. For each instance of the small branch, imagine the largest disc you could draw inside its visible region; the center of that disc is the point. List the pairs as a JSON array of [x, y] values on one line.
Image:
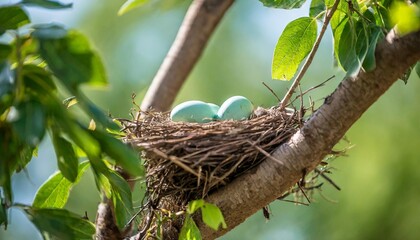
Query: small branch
[[311, 56], [199, 23], [250, 192]]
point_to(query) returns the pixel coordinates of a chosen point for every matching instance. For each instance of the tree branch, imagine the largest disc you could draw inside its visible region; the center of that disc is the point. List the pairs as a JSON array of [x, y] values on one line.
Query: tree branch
[[305, 150], [199, 23]]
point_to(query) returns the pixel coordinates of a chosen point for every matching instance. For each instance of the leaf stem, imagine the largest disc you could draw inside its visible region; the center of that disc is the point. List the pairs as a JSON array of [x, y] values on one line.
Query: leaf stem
[[285, 101]]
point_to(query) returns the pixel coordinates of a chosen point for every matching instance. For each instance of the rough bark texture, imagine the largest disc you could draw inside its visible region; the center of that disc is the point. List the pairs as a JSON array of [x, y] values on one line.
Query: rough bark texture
[[106, 229], [249, 193], [199, 23]]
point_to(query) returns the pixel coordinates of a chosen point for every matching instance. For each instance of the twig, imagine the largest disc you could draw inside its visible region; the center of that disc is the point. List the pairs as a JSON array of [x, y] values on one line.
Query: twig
[[311, 56], [271, 90], [329, 180], [199, 23], [312, 88]]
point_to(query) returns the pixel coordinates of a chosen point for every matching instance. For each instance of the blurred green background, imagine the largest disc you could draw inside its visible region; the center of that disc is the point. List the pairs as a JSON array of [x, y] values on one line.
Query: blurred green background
[[380, 197]]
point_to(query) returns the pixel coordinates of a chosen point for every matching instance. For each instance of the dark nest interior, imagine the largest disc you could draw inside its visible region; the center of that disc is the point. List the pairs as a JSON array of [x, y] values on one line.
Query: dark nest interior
[[188, 161]]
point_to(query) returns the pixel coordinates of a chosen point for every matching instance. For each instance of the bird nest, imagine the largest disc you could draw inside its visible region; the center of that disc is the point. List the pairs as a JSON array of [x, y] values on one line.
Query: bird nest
[[188, 161]]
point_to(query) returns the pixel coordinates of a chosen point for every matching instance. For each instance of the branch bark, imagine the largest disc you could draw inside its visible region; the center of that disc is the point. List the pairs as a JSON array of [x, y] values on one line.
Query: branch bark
[[305, 150], [199, 23]]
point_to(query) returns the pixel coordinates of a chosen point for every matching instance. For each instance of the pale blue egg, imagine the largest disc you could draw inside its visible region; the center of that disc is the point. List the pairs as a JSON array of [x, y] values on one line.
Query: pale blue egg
[[193, 111], [235, 108]]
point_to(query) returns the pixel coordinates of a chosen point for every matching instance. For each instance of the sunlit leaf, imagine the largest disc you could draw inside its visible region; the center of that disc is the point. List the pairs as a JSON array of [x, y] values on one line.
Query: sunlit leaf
[[294, 45], [405, 16], [130, 5], [28, 120], [195, 205], [212, 216], [12, 17], [60, 224], [285, 4], [55, 192], [47, 4], [189, 230], [66, 157], [340, 16]]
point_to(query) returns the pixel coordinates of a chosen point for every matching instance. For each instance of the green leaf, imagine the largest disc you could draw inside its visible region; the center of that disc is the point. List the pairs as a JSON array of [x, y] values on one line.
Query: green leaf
[[195, 205], [5, 51], [3, 213], [38, 81], [212, 216], [316, 8], [66, 157], [115, 188], [28, 121], [70, 57], [25, 156], [47, 4], [56, 190], [340, 16], [80, 136], [130, 5], [189, 230], [7, 87], [351, 46], [285, 4], [12, 17], [405, 16], [123, 155], [294, 45], [417, 68], [122, 199], [60, 224], [370, 63], [8, 149]]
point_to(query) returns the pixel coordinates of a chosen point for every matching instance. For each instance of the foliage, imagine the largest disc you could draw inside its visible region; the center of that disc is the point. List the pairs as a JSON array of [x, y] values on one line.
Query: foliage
[[43, 64], [38, 67], [357, 27], [211, 215]]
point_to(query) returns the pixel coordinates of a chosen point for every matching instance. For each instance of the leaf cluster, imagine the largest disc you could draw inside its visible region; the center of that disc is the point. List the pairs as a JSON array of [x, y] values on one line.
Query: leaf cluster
[[39, 66], [210, 214], [357, 27]]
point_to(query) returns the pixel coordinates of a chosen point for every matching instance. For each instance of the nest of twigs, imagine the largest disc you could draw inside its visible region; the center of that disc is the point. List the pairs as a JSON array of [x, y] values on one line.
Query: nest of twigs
[[188, 161]]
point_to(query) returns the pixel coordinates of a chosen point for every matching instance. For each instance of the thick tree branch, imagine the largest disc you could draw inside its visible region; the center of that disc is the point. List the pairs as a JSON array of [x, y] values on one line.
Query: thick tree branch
[[199, 23], [305, 150]]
